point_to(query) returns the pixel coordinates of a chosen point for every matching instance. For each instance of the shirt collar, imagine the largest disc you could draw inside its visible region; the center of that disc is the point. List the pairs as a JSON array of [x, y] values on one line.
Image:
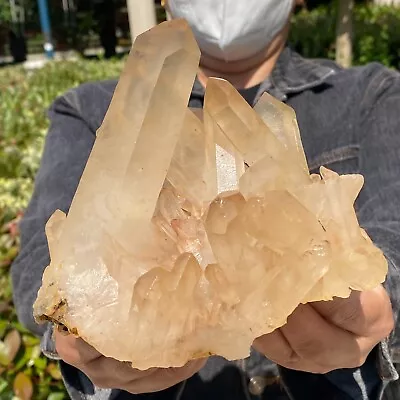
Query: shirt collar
[[292, 74]]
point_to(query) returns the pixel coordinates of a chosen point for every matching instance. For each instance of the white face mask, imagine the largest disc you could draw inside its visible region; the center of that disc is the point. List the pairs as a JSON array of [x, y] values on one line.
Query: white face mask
[[233, 30]]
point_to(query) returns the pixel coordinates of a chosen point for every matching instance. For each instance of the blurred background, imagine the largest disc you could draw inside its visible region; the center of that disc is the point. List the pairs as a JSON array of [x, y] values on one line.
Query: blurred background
[[49, 46]]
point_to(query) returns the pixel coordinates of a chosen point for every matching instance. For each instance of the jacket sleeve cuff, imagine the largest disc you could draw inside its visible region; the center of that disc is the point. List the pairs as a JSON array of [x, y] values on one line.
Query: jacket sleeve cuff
[[386, 368], [47, 343]]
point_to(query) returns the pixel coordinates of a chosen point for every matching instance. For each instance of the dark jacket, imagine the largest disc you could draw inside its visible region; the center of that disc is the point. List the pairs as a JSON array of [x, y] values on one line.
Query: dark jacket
[[350, 122]]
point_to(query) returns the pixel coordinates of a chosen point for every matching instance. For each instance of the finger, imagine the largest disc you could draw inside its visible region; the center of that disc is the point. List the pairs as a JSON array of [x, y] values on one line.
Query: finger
[[164, 378], [105, 372], [365, 345], [366, 313], [74, 350], [315, 340], [276, 348]]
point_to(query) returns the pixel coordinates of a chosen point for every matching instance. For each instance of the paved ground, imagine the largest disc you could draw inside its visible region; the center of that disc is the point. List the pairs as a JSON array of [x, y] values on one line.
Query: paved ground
[[38, 60]]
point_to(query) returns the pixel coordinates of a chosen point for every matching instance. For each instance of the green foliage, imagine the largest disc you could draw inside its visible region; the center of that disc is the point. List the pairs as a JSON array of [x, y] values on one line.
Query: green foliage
[[76, 35], [24, 373], [23, 121], [312, 33], [5, 12], [376, 34], [29, 7]]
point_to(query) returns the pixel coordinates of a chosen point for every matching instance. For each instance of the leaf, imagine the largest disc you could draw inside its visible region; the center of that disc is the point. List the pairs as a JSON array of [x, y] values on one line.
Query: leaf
[[3, 385], [21, 329], [30, 340], [3, 354], [34, 354], [40, 363], [23, 387], [4, 306], [13, 343], [56, 396], [54, 371], [3, 327], [23, 359]]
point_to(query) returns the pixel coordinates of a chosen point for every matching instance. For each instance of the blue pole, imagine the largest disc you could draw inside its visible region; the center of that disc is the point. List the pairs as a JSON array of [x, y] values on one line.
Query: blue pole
[[46, 29]]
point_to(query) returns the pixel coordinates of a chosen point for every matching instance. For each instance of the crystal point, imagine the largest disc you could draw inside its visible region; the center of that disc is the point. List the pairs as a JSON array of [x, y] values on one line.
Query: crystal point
[[192, 233]]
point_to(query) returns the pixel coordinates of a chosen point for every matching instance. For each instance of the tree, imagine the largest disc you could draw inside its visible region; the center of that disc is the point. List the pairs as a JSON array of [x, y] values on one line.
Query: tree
[[344, 33]]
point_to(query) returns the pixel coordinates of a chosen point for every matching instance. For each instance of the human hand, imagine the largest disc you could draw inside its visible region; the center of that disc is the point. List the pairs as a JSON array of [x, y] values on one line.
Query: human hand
[[323, 336], [107, 372]]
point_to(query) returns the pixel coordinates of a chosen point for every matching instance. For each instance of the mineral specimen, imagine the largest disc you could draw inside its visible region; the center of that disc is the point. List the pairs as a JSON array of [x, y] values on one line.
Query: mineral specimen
[[192, 233]]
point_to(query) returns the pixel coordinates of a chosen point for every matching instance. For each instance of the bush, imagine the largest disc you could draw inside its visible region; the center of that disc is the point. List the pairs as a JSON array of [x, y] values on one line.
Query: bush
[[24, 97], [376, 34], [24, 373]]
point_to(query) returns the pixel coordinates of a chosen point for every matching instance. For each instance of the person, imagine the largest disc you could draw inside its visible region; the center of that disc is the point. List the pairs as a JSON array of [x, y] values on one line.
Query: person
[[17, 45], [104, 13], [349, 119]]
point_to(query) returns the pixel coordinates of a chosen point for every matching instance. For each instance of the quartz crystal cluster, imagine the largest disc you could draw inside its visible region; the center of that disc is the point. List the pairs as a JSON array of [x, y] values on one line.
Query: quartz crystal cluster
[[192, 232]]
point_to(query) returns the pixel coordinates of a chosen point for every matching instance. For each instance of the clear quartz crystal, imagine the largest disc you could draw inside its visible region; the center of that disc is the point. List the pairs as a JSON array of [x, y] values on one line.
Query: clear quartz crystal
[[192, 232]]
